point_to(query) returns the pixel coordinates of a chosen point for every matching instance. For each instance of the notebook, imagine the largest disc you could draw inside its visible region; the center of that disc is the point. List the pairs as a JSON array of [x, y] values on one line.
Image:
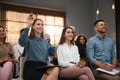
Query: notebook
[[113, 72]]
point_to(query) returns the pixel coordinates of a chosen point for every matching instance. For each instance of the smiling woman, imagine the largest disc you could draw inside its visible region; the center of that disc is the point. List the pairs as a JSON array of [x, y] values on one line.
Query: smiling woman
[[68, 58], [36, 48], [6, 59]]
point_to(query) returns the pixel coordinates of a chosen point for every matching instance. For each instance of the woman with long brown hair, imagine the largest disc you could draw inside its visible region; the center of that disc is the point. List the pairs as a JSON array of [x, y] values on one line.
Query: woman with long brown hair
[[68, 58], [6, 57], [36, 48]]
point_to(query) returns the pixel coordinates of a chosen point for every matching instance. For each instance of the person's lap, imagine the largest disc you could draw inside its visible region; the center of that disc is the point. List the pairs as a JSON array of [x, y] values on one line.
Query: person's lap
[[105, 76]]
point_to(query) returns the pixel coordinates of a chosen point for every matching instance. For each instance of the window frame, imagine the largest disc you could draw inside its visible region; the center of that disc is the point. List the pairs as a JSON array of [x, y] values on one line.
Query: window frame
[[27, 9]]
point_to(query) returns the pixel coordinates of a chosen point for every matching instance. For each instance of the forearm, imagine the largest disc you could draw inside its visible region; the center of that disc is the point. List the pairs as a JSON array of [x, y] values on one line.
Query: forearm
[[98, 64], [114, 62], [23, 37]]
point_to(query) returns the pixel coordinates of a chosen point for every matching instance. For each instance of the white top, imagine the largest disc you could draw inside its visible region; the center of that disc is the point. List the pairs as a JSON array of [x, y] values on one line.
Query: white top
[[66, 55], [18, 50]]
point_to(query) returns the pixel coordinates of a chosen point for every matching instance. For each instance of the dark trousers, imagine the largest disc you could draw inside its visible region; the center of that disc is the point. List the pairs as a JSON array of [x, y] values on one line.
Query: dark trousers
[[31, 73]]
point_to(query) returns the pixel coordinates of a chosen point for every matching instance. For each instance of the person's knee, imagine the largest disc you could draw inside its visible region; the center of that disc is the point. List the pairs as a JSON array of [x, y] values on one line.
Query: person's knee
[[53, 71], [56, 69], [83, 77], [87, 69], [9, 63]]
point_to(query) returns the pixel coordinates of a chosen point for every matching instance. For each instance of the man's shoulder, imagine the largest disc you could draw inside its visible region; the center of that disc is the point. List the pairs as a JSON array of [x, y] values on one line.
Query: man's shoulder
[[108, 38], [92, 38]]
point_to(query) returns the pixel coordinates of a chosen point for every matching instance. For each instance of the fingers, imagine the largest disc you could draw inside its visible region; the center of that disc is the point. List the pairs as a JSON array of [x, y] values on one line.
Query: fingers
[[30, 20], [30, 17], [50, 65], [108, 67]]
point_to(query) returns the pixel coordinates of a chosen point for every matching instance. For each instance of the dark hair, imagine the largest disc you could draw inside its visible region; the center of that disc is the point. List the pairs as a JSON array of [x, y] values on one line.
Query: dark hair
[[78, 38], [32, 34], [2, 27], [22, 30], [5, 34], [62, 39], [100, 20]]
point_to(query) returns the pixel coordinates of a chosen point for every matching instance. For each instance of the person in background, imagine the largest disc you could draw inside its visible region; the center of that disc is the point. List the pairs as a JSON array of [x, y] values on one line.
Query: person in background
[[51, 50], [20, 59], [52, 55], [47, 37], [36, 52], [101, 52], [81, 44], [68, 58], [74, 32], [17, 49], [6, 57]]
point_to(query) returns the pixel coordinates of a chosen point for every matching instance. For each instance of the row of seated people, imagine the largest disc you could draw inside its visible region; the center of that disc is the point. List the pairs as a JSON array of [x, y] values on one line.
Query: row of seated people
[[67, 55]]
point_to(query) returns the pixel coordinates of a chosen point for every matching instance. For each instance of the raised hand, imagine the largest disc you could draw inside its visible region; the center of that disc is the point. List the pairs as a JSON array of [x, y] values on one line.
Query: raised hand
[[30, 20]]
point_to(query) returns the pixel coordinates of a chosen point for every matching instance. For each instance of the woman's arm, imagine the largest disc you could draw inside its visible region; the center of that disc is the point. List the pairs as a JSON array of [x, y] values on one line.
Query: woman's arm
[[24, 35]]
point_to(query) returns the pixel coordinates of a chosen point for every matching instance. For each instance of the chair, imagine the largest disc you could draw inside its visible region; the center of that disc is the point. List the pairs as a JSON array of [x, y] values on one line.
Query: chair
[[22, 61], [16, 70]]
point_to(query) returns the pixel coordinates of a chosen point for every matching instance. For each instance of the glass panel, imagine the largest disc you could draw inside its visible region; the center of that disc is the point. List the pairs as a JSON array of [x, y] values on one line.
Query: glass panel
[[11, 15], [13, 29], [59, 21], [50, 30], [57, 39], [58, 30], [50, 20], [12, 38], [17, 21], [41, 17], [21, 17]]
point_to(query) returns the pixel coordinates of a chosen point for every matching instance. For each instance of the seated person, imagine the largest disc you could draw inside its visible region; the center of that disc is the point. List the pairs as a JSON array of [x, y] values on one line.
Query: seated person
[[36, 52], [101, 52], [47, 37], [6, 64], [68, 58], [18, 50], [52, 55]]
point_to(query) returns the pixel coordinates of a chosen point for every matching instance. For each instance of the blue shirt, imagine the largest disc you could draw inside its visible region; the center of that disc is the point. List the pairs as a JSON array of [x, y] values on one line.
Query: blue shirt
[[35, 49], [51, 50], [100, 50]]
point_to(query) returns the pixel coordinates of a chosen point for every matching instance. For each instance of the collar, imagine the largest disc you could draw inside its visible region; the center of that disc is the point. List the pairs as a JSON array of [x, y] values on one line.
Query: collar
[[97, 36], [37, 39]]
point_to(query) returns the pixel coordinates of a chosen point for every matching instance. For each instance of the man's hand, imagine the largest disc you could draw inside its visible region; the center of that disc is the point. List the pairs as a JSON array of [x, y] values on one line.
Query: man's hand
[[109, 67]]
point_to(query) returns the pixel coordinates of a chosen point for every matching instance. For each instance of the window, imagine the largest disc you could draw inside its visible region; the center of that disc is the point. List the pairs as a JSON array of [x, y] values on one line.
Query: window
[[15, 19]]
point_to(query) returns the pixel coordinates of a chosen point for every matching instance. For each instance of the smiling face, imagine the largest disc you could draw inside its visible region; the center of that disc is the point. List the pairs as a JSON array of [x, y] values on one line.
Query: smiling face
[[69, 34], [2, 32], [38, 27], [82, 40], [100, 27]]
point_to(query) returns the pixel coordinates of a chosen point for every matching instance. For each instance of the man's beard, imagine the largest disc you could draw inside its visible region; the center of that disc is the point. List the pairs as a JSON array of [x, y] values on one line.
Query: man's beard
[[101, 31]]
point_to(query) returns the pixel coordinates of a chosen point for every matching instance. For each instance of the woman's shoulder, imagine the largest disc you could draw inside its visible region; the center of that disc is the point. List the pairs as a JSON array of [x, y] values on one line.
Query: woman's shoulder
[[8, 47], [75, 46], [60, 47]]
